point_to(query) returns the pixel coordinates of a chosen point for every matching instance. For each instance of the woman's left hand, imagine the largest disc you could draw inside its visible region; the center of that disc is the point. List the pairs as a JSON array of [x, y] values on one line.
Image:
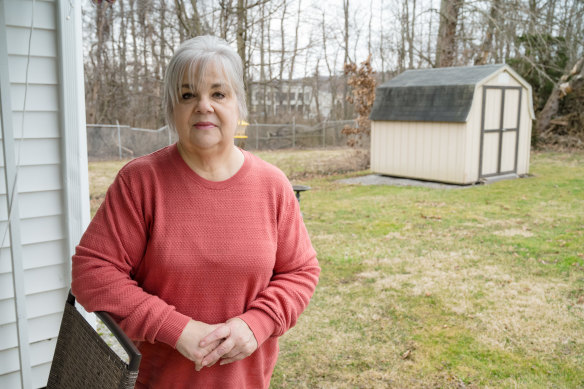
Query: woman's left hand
[[239, 342]]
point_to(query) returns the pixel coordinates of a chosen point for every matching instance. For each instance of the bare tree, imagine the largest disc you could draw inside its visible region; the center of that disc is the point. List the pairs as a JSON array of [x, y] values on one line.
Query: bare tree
[[346, 59], [293, 56]]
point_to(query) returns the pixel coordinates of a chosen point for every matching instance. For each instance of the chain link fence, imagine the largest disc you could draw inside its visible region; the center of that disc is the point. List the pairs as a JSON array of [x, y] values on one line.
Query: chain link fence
[[108, 142]]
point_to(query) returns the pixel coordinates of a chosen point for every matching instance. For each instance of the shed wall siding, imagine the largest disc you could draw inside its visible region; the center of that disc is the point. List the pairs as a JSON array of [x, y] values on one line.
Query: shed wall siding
[[37, 133], [473, 139], [525, 128], [428, 151]]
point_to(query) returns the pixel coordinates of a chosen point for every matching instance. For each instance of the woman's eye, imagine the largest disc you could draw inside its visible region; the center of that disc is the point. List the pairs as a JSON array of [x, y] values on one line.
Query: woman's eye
[[187, 96], [218, 95]]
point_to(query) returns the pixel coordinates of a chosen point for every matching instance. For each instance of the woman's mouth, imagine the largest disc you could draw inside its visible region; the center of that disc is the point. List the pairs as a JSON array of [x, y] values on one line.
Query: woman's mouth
[[204, 125]]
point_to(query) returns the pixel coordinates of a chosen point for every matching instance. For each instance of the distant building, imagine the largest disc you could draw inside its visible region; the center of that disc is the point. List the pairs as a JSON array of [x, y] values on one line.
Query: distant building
[[296, 98]]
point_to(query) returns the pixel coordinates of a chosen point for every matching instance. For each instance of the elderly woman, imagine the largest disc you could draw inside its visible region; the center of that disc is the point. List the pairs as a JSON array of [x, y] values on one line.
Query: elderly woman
[[199, 249]]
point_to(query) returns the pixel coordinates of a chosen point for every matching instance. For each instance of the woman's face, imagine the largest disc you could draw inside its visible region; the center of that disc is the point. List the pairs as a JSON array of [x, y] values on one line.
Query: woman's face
[[206, 114]]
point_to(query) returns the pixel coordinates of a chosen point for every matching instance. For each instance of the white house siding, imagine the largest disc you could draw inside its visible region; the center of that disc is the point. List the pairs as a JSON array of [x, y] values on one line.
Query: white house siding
[[433, 151], [40, 189]]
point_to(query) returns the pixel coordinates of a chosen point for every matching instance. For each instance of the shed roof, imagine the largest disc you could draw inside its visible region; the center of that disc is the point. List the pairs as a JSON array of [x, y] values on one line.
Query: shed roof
[[440, 95]]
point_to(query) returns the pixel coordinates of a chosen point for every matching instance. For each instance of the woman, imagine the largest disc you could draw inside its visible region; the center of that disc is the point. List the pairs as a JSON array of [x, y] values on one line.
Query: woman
[[199, 249]]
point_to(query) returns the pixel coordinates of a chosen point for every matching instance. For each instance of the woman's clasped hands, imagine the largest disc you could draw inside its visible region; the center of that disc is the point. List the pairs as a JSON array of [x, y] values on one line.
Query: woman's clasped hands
[[205, 344]]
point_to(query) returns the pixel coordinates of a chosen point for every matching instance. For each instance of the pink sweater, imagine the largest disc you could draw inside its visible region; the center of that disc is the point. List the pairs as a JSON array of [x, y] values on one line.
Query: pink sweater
[[167, 246]]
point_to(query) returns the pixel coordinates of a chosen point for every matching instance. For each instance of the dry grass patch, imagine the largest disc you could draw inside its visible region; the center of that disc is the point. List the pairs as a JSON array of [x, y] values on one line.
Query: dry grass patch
[[305, 164], [506, 310]]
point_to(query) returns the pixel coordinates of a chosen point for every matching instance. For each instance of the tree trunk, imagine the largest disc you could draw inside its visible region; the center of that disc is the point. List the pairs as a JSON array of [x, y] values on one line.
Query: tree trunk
[[262, 84], [316, 88], [346, 59], [410, 35], [279, 100], [94, 103], [330, 68], [293, 58], [446, 44], [241, 38]]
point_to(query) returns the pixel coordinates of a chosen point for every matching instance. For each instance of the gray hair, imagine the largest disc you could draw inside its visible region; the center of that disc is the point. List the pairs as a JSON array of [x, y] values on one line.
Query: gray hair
[[193, 57]]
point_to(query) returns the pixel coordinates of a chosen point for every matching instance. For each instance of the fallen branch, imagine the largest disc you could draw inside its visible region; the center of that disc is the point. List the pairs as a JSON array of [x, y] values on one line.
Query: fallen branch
[[566, 85]]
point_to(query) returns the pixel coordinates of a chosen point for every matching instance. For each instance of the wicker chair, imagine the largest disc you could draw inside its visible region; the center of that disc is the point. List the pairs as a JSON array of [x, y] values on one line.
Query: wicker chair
[[83, 360]]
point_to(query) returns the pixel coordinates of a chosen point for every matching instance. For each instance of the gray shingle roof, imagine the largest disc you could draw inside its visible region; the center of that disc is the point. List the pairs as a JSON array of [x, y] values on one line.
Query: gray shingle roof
[[437, 95]]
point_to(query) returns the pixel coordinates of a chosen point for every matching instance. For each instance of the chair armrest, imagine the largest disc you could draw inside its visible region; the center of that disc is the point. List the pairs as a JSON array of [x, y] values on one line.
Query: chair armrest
[[129, 346]]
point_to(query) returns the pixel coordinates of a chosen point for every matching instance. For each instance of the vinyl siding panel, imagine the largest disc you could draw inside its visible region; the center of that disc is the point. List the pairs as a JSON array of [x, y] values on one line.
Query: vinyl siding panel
[[35, 255], [38, 125], [8, 336], [41, 353], [6, 287], [7, 309], [8, 364], [43, 43], [38, 98], [43, 229], [40, 373], [40, 304], [35, 178], [36, 152], [37, 280], [35, 204], [42, 70], [20, 14]]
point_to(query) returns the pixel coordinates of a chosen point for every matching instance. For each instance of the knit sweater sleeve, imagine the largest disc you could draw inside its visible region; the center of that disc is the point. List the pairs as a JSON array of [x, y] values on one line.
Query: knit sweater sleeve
[[105, 260], [277, 308]]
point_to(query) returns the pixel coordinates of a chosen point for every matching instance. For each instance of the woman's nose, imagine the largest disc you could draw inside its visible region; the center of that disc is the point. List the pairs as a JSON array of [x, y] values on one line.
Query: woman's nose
[[204, 105]]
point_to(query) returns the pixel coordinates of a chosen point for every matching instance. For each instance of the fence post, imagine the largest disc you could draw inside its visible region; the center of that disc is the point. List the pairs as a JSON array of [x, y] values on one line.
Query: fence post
[[293, 131], [119, 140], [324, 134], [257, 136]]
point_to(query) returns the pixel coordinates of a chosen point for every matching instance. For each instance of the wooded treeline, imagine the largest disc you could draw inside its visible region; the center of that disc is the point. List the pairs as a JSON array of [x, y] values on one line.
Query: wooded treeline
[[128, 43]]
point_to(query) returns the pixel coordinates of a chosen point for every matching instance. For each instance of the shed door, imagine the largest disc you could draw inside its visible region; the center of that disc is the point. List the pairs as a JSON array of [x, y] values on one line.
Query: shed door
[[499, 131]]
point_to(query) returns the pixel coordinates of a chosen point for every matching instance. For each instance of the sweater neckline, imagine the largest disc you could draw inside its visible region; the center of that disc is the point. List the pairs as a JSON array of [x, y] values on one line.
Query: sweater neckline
[[218, 185]]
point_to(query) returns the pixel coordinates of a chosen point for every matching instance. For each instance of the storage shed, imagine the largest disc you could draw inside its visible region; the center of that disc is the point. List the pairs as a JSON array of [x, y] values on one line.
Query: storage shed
[[44, 199], [457, 125]]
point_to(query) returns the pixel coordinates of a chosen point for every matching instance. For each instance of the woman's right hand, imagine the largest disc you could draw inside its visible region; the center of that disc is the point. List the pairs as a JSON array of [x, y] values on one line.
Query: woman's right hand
[[188, 342]]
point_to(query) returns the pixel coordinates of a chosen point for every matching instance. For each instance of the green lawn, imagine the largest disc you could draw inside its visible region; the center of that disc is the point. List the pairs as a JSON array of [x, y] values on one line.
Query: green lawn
[[437, 288]]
